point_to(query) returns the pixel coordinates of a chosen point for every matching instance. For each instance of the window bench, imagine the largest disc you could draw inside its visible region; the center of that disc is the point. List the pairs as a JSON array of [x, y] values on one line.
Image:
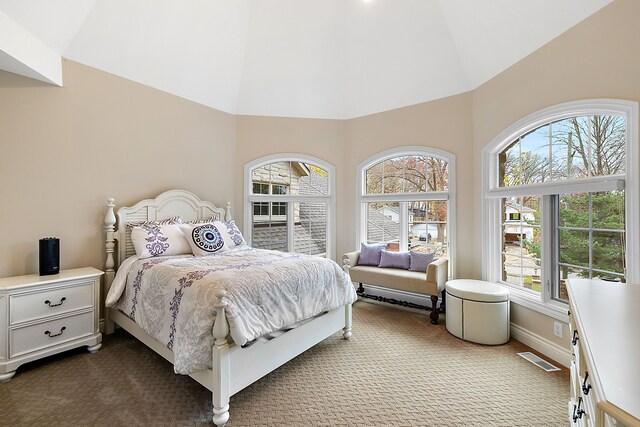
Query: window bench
[[430, 283]]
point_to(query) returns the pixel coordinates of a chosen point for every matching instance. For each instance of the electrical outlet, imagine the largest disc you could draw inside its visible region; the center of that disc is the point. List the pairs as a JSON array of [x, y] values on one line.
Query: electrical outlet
[[557, 329]]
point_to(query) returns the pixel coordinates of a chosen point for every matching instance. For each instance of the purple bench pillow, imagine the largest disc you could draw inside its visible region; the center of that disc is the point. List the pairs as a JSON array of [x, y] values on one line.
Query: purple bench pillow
[[395, 260], [420, 261], [370, 254]]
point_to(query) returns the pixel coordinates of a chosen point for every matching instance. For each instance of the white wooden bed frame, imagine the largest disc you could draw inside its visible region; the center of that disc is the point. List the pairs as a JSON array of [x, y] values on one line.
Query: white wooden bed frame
[[233, 367]]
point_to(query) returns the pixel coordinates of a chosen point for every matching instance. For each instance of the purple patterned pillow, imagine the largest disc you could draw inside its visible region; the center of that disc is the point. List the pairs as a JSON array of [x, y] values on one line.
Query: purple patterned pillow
[[420, 260], [215, 217], [156, 240], [172, 220], [395, 260], [230, 233], [370, 254]]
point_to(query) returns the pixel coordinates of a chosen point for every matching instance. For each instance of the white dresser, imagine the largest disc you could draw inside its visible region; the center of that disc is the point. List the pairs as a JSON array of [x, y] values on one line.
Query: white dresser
[[45, 315], [604, 321]]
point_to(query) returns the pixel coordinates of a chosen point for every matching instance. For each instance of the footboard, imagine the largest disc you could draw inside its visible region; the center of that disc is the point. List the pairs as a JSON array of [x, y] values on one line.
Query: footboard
[[234, 367]]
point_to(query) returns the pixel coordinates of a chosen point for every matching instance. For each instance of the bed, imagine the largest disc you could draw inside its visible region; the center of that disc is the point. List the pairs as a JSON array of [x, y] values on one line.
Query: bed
[[233, 366]]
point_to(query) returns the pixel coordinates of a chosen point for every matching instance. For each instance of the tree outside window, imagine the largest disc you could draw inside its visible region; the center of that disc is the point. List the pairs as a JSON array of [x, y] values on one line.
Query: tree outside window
[[405, 200], [587, 237]]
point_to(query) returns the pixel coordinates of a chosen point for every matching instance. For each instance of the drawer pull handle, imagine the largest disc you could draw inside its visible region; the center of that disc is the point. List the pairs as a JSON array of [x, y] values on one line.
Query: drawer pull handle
[[577, 412], [574, 341], [63, 299], [586, 388], [55, 335]]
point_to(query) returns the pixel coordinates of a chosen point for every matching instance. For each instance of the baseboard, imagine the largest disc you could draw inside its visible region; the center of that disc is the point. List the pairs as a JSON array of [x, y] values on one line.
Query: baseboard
[[550, 349]]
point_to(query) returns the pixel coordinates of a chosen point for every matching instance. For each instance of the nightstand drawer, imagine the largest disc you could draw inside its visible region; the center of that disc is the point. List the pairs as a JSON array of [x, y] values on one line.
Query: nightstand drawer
[[50, 302], [46, 334]]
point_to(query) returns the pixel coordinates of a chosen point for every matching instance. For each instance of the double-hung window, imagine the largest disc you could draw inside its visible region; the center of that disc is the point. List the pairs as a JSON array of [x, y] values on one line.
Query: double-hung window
[[404, 200], [561, 201], [290, 204]]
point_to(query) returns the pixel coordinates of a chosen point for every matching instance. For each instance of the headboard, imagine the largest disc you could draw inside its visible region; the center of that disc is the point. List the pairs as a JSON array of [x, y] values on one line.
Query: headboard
[[168, 204]]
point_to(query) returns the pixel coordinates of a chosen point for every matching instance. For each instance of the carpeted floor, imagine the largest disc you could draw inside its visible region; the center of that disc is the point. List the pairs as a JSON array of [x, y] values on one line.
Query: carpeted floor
[[396, 370]]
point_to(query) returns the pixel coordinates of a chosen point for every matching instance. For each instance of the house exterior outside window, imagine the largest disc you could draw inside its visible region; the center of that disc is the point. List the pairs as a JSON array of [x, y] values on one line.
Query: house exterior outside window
[[269, 210], [561, 201], [404, 200], [290, 204]]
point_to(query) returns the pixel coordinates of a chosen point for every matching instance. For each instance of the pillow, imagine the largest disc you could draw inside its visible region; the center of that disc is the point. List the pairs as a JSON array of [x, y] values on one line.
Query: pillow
[[420, 260], [395, 260], [155, 240], [204, 239], [230, 233], [205, 221], [370, 254], [172, 220]]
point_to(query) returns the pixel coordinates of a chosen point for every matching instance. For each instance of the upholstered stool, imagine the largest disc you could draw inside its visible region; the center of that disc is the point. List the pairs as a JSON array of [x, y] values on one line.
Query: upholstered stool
[[477, 311]]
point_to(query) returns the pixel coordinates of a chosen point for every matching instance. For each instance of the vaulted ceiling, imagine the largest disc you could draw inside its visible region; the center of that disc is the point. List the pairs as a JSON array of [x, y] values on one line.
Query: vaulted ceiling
[[300, 58]]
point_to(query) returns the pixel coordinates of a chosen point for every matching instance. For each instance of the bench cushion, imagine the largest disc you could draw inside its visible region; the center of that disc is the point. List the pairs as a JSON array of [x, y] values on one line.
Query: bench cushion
[[410, 281]]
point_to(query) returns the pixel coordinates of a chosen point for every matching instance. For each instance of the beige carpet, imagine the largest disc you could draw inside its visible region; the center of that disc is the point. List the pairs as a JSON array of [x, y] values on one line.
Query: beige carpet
[[396, 370]]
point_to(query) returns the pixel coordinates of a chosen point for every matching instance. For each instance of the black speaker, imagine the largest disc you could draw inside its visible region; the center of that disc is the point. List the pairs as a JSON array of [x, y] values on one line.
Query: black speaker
[[49, 256]]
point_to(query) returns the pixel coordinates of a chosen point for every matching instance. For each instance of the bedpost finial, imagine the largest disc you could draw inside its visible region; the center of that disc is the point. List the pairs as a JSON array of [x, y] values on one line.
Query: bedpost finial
[[227, 212], [220, 326], [110, 217], [220, 293]]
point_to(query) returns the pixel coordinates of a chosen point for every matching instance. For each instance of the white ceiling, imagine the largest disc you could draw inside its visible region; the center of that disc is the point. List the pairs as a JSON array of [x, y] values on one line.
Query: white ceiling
[[301, 58]]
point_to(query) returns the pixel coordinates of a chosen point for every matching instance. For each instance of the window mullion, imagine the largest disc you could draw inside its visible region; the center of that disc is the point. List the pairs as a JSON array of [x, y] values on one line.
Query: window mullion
[[549, 247], [590, 234], [404, 225], [290, 227]]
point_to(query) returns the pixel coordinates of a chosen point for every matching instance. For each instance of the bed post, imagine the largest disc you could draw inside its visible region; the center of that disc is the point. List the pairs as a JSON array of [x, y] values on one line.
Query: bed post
[[227, 212], [346, 331], [220, 361], [109, 226]]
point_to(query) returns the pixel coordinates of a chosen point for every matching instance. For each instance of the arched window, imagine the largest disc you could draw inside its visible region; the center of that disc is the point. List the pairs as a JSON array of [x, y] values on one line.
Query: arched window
[[404, 200], [560, 196], [290, 204]]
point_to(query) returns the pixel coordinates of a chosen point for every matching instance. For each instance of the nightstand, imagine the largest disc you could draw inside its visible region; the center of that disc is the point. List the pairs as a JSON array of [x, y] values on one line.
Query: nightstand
[[45, 315]]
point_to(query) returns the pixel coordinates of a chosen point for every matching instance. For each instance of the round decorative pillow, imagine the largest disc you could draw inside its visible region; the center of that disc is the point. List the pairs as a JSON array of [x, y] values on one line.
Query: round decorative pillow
[[207, 238]]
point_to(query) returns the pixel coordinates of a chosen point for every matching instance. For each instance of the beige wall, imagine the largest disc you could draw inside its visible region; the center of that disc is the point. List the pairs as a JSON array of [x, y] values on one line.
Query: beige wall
[[65, 150], [444, 124], [258, 137], [102, 136], [596, 59]]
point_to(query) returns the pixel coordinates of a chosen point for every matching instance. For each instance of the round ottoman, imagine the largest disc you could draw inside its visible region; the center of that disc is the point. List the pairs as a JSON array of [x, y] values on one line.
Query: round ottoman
[[477, 311]]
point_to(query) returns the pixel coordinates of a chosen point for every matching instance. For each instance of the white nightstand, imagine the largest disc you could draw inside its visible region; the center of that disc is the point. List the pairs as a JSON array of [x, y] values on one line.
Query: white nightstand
[[45, 315]]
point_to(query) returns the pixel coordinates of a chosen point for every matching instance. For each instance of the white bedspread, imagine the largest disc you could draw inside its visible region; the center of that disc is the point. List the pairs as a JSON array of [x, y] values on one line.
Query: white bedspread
[[172, 297]]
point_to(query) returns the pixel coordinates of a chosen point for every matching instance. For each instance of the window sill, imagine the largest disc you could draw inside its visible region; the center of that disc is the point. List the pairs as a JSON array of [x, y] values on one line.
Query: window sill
[[553, 309]]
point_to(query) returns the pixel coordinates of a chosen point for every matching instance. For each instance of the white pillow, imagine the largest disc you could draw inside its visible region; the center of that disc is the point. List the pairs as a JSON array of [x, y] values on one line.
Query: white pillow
[[230, 233], [155, 240], [204, 239]]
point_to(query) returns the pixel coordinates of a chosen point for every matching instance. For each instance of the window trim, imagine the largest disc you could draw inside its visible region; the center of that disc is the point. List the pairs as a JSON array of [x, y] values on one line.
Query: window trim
[[492, 192], [449, 195], [329, 199]]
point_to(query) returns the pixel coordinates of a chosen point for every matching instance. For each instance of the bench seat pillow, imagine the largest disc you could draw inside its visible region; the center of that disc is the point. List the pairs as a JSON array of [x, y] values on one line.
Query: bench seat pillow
[[420, 260], [370, 254], [400, 260]]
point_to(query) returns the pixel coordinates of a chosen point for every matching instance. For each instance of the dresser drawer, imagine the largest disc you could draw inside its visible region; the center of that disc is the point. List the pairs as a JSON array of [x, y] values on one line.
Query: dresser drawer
[[50, 302], [46, 334]]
